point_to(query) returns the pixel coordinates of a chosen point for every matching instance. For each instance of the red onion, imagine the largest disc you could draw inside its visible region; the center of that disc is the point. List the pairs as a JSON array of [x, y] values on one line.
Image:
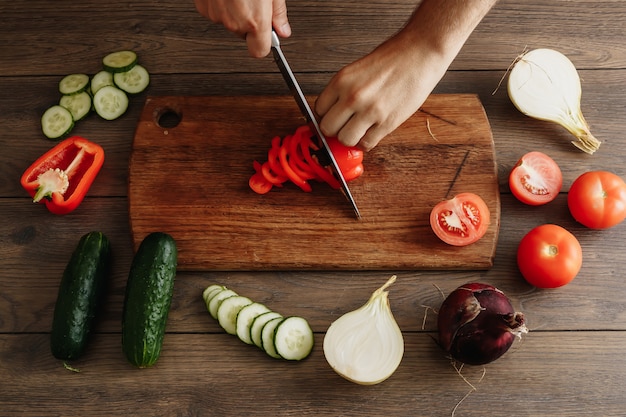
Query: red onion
[[477, 324]]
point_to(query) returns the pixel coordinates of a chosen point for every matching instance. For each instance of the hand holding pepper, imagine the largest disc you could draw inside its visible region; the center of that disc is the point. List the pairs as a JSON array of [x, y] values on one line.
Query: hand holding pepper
[[371, 97], [293, 158]]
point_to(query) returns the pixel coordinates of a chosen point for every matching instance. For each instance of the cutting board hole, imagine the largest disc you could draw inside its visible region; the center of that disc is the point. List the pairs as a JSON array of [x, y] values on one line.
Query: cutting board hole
[[168, 118]]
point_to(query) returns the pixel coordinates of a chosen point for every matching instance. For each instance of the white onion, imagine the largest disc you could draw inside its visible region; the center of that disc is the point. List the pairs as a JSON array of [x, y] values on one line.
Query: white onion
[[366, 345], [544, 84]]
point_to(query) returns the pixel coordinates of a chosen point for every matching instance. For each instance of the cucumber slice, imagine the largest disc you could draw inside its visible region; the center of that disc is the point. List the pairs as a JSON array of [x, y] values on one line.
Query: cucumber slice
[[257, 326], [101, 79], [56, 122], [245, 317], [133, 81], [217, 299], [74, 84], [293, 338], [267, 337], [210, 291], [78, 104], [228, 311], [110, 102], [120, 61]]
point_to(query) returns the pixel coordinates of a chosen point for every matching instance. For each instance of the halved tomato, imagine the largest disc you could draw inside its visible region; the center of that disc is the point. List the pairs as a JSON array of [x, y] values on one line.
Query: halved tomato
[[536, 179], [461, 220]]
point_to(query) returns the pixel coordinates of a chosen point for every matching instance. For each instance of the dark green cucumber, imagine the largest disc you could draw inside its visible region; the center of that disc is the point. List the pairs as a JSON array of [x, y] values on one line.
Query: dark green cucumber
[[148, 297], [80, 293]]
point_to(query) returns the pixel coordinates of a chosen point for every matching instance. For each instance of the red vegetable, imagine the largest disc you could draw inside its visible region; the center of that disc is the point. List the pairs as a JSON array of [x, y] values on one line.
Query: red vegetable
[[61, 177], [597, 199], [549, 256], [460, 220], [536, 179], [477, 324], [293, 159]]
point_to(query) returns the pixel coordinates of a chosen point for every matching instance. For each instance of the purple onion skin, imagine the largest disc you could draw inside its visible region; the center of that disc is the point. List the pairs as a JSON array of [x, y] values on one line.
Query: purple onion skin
[[477, 324]]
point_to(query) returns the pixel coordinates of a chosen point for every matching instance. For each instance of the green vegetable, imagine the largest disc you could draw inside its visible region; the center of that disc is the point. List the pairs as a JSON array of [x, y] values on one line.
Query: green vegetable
[[110, 102], [148, 297], [106, 93], [73, 84], [253, 323], [57, 122], [133, 81], [119, 61], [80, 293]]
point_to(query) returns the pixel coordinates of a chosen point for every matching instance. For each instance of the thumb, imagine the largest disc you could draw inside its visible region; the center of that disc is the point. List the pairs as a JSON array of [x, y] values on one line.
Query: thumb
[[279, 19]]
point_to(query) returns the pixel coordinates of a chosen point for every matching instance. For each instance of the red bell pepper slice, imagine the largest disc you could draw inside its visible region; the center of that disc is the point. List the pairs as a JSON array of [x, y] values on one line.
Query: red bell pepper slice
[[291, 174], [323, 173], [61, 177], [292, 159]]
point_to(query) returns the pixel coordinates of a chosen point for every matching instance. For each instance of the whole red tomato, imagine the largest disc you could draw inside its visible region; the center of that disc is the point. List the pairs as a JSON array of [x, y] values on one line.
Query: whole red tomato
[[536, 179], [549, 256], [597, 199], [461, 220]]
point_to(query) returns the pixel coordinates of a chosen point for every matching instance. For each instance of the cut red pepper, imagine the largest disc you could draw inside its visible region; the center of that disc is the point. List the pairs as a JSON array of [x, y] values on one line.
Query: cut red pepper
[[61, 177], [291, 173], [293, 159]]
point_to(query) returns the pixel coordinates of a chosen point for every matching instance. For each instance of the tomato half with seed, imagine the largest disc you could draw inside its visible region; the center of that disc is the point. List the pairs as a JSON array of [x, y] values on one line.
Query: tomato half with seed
[[536, 179], [460, 221], [549, 256], [597, 199]]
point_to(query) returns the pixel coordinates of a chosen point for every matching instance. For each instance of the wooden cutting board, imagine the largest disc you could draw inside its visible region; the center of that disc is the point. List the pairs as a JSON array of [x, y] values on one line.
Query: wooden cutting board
[[191, 181]]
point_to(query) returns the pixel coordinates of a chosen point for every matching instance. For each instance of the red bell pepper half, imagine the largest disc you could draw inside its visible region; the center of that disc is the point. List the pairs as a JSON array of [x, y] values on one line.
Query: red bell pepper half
[[293, 159], [61, 177]]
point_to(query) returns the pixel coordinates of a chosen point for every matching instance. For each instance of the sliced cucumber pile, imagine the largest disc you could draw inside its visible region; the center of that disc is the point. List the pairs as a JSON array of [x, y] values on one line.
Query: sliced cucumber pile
[[254, 323], [80, 94]]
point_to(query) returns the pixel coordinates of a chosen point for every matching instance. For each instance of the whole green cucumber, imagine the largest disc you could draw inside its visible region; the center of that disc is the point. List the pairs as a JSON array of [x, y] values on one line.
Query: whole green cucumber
[[80, 293], [148, 297]]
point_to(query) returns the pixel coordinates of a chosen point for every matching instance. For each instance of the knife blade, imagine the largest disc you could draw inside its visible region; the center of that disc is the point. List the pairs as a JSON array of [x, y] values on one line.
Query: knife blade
[[303, 104]]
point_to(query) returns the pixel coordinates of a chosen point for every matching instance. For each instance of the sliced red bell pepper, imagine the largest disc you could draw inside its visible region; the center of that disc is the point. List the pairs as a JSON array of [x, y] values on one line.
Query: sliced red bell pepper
[[293, 158], [349, 159], [61, 177], [293, 175], [323, 173]]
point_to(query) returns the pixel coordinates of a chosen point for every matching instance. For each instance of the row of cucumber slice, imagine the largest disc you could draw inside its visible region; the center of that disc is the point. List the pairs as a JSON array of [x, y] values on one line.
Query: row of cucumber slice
[[253, 323], [106, 93]]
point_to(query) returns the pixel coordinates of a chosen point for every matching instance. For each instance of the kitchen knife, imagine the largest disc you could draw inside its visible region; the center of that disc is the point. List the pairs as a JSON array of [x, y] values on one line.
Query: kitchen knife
[[291, 81]]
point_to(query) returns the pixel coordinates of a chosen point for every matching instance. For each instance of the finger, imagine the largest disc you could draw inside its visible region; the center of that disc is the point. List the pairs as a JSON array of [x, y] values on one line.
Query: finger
[[351, 133], [336, 120], [201, 6], [279, 19], [325, 101], [372, 138], [259, 43]]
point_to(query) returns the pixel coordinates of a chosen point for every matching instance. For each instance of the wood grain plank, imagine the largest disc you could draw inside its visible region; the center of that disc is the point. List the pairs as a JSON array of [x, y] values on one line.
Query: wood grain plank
[[569, 365], [514, 134], [192, 182], [36, 248], [172, 38], [197, 374]]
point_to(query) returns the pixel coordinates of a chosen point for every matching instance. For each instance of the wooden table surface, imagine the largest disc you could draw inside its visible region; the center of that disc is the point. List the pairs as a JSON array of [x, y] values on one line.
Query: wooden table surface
[[570, 364]]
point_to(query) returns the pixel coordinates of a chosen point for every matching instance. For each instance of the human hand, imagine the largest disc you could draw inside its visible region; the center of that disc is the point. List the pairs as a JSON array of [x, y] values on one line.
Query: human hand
[[368, 99], [252, 20]]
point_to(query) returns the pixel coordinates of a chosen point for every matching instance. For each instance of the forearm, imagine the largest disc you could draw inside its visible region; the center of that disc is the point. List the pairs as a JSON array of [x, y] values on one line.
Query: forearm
[[443, 26], [371, 97]]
